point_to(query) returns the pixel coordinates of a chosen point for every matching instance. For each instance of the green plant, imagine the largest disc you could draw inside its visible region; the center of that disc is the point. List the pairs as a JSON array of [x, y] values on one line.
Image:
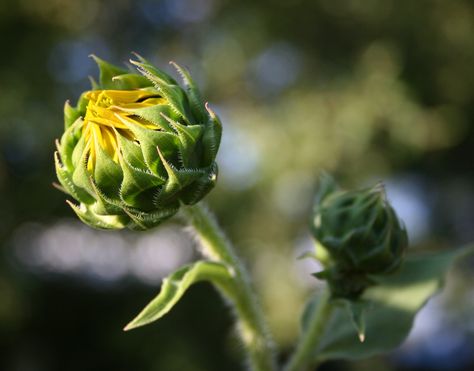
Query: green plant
[[138, 148]]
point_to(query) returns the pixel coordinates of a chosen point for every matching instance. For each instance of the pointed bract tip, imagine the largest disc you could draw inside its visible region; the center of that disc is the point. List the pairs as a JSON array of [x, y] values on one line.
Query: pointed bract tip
[[95, 58], [72, 205], [306, 254], [209, 110], [129, 327], [177, 66], [58, 187], [137, 55], [140, 60], [380, 191], [134, 62], [379, 187], [361, 337]]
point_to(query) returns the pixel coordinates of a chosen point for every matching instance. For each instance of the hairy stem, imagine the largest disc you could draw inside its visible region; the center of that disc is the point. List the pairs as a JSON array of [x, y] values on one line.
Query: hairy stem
[[251, 325], [303, 356]]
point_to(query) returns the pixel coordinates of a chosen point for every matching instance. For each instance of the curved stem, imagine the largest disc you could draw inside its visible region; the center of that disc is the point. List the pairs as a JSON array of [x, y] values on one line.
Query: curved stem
[[252, 328], [303, 357]]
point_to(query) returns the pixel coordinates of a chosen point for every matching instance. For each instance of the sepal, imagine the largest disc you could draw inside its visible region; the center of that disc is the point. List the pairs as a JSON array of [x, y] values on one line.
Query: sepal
[[99, 221], [107, 72]]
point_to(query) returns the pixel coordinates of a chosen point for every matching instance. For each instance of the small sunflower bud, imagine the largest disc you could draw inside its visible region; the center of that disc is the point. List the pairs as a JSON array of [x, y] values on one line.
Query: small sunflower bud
[[137, 146], [360, 235]]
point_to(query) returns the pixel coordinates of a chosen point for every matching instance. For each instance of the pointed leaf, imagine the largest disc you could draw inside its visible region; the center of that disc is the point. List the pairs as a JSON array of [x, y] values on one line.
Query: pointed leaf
[[99, 221], [188, 137], [80, 176], [175, 285], [211, 138], [393, 306], [197, 104], [138, 187], [194, 192], [71, 114], [326, 185], [128, 81], [108, 174], [150, 140], [107, 72], [356, 311], [146, 67], [65, 179], [68, 142], [131, 153], [104, 205], [177, 179], [146, 220], [153, 114], [173, 93]]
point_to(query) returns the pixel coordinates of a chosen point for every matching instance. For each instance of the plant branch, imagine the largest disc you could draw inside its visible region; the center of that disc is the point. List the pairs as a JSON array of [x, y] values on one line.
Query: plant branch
[[304, 354], [251, 325]]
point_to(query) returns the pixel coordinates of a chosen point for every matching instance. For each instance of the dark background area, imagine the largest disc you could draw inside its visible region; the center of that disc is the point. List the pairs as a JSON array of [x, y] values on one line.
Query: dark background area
[[366, 90]]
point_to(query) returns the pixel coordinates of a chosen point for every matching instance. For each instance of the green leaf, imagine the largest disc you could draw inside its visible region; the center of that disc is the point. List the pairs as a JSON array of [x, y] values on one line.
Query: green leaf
[[65, 178], [356, 310], [107, 73], [177, 180], [138, 187], [211, 138], [169, 89], [393, 304], [71, 114], [150, 140], [326, 186], [145, 220], [99, 221], [104, 204], [188, 137], [175, 285], [128, 81], [81, 176], [194, 95], [131, 152], [68, 142], [194, 192], [146, 67], [153, 114], [108, 174]]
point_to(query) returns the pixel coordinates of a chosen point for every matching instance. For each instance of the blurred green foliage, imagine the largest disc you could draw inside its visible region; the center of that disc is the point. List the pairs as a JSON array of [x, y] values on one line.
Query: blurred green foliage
[[363, 89]]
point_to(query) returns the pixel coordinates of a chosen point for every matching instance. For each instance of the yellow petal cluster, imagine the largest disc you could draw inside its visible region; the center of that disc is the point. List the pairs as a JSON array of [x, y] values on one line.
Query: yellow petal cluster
[[105, 115]]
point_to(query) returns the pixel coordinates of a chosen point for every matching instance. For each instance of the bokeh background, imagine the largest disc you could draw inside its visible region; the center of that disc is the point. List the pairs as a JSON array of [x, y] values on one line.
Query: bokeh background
[[367, 90]]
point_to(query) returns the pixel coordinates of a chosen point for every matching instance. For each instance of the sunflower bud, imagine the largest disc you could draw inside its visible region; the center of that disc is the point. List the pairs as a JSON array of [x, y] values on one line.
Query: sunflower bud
[[359, 236], [137, 146]]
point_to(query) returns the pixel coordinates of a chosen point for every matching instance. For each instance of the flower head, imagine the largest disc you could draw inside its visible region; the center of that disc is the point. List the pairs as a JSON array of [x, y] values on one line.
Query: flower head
[[137, 146], [359, 235]]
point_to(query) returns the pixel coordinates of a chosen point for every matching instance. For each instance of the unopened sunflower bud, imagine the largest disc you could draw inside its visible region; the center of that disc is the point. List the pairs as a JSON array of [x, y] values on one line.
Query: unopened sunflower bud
[[136, 147], [360, 235]]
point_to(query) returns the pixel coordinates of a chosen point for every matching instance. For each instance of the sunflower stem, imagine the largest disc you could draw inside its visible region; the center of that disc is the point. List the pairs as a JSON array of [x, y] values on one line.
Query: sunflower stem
[[303, 356], [250, 320]]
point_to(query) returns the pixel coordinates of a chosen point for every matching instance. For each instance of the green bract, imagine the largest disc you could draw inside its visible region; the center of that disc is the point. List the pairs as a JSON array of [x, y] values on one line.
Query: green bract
[[136, 147], [358, 234]]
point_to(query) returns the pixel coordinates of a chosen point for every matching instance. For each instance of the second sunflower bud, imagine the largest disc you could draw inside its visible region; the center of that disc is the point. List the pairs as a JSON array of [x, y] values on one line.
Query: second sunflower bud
[[359, 235]]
